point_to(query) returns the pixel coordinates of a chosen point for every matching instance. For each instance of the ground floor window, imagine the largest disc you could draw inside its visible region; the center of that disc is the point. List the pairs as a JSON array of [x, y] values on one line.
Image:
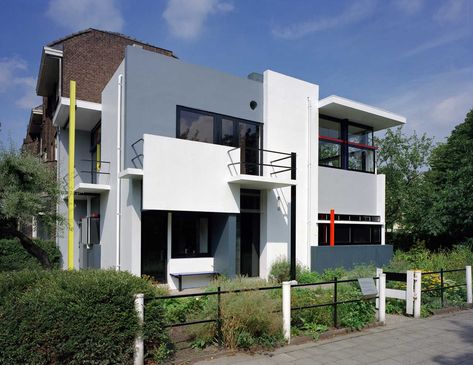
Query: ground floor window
[[190, 235], [350, 234]]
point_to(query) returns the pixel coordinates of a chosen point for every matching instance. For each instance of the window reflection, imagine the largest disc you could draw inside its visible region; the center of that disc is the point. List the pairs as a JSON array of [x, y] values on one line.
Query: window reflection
[[196, 126], [328, 128], [361, 135], [330, 154], [360, 159]]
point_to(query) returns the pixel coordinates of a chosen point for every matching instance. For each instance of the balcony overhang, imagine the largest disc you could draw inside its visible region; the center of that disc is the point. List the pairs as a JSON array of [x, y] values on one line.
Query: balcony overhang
[[88, 114], [87, 188], [378, 119], [260, 182], [131, 173], [49, 71]]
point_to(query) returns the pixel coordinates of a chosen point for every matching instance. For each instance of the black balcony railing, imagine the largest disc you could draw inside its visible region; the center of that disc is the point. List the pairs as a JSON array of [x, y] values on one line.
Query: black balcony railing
[[252, 162], [90, 170]]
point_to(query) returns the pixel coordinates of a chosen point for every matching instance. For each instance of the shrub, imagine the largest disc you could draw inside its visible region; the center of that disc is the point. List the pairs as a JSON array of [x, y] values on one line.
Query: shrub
[[281, 270], [78, 317], [247, 318], [14, 257]]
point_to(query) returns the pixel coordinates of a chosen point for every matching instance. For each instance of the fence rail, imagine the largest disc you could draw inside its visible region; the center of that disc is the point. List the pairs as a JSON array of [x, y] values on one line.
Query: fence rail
[[443, 287]]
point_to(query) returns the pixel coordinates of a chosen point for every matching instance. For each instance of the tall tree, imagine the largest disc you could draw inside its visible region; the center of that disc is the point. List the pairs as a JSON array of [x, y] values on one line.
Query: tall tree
[[451, 178], [404, 160], [28, 188]]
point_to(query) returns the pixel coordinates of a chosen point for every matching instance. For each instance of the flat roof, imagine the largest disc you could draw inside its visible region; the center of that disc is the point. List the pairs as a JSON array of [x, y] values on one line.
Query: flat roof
[[342, 108]]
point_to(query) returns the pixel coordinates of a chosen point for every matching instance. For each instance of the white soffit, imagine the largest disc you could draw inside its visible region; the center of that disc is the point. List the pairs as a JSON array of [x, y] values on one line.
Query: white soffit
[[338, 107]]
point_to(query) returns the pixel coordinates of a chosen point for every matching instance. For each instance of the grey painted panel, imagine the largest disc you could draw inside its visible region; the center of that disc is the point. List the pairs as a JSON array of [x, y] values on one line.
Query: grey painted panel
[[326, 257], [224, 243], [156, 84], [348, 192]]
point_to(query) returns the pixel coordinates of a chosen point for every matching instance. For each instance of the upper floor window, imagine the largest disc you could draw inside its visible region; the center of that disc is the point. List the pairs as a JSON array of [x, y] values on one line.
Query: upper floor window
[[202, 126], [346, 145]]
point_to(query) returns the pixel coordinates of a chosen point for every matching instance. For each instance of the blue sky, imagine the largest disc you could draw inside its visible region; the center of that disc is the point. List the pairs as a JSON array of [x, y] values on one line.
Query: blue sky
[[412, 57]]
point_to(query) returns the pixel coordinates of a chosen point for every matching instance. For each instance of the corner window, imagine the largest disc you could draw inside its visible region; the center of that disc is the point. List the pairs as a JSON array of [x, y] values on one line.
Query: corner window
[[346, 145], [190, 235]]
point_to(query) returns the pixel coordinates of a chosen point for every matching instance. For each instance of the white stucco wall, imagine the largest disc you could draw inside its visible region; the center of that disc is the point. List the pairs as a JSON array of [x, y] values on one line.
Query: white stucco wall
[[290, 125], [182, 175]]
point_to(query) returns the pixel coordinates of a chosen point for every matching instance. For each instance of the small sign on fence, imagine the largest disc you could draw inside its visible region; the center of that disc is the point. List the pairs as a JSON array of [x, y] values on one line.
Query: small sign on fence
[[368, 287]]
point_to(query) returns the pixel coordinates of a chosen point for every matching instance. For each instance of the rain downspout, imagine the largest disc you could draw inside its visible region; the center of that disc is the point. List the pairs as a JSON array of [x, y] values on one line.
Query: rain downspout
[[118, 158]]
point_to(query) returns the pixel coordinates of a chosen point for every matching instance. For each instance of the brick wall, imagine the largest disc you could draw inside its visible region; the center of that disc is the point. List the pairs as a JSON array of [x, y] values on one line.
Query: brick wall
[[91, 59]]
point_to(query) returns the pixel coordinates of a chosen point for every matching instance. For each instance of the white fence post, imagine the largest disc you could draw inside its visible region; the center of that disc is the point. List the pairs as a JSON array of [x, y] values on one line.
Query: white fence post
[[410, 292], [381, 314], [379, 272], [139, 345], [469, 291], [417, 293], [286, 309]]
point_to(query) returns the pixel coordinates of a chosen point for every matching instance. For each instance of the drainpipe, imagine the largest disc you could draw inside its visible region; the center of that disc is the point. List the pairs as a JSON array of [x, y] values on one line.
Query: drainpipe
[[118, 157], [309, 179]]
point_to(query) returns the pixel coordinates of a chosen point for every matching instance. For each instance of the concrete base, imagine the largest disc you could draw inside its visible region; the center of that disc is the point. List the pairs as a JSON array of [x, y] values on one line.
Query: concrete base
[[326, 257]]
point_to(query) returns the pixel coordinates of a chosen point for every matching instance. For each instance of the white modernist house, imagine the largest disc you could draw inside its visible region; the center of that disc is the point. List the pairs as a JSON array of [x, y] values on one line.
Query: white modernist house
[[183, 172]]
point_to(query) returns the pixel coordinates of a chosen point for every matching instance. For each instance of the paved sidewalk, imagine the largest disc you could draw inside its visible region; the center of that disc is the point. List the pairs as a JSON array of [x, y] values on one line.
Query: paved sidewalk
[[443, 339]]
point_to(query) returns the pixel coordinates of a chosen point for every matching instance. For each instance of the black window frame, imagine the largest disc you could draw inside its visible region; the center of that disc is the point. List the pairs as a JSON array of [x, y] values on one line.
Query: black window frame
[[198, 215], [217, 134], [217, 125], [345, 144], [324, 231]]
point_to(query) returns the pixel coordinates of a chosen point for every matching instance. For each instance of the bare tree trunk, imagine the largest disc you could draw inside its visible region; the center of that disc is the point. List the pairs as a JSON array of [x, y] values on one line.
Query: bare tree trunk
[[9, 229]]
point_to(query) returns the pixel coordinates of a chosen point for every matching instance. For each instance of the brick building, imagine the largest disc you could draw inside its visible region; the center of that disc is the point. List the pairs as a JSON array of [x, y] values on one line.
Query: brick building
[[90, 57]]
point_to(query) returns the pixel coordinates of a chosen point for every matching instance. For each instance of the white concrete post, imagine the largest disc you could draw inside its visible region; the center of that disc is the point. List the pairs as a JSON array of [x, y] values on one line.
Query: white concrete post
[[379, 272], [286, 309], [410, 292], [417, 293], [139, 345], [382, 298], [469, 291]]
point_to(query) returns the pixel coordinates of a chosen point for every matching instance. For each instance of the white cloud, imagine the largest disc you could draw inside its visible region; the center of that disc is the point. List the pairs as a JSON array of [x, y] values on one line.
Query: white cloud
[[409, 7], [82, 14], [12, 81], [436, 42], [8, 68], [435, 104], [358, 11], [452, 11], [185, 18]]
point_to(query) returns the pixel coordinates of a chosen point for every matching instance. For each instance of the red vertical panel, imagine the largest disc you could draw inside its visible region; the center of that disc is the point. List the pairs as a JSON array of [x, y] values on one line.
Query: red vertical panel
[[332, 227]]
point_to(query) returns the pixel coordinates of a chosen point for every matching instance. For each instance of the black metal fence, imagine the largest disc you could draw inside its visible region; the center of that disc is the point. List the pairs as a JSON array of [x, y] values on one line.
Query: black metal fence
[[442, 287], [335, 302], [218, 315]]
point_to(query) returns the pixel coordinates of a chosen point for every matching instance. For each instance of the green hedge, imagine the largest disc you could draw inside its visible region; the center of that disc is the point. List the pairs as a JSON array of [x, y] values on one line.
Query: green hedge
[[14, 257], [79, 317]]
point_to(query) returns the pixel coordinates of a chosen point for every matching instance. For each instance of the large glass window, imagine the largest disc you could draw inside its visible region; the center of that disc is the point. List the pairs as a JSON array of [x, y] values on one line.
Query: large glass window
[[346, 145], [359, 134], [196, 126], [215, 128], [350, 234], [360, 159], [329, 128], [190, 235], [330, 154]]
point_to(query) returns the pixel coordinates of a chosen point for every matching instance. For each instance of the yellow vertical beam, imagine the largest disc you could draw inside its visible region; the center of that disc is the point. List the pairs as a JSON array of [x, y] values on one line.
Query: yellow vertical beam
[[70, 195]]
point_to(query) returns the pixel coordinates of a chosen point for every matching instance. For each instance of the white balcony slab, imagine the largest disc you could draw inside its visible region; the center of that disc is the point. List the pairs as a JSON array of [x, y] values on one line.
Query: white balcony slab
[[88, 188], [260, 182], [88, 114], [131, 173], [338, 107]]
